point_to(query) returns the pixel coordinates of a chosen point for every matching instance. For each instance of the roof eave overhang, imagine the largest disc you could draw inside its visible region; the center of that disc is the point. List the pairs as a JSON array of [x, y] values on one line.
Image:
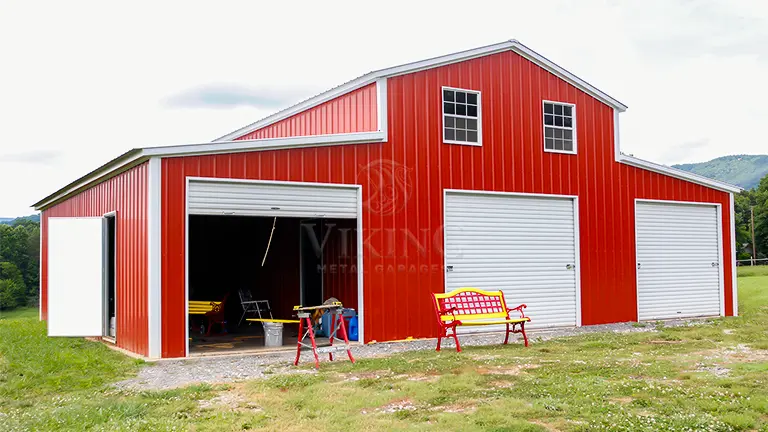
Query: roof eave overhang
[[678, 173], [138, 156], [112, 168]]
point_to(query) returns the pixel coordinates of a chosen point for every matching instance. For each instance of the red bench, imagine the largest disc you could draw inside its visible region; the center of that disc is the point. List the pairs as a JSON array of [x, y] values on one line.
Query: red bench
[[474, 307]]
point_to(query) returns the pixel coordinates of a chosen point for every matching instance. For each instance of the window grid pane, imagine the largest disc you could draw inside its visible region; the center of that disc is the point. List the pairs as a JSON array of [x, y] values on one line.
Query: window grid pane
[[460, 116], [559, 126]]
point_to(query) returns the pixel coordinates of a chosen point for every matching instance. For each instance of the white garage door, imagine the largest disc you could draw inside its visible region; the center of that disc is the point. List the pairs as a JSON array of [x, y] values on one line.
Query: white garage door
[[244, 198], [524, 246], [678, 260]]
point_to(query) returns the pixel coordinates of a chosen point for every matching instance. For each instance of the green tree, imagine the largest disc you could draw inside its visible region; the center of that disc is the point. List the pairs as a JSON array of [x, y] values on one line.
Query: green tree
[[742, 204], [761, 217], [13, 292], [19, 262]]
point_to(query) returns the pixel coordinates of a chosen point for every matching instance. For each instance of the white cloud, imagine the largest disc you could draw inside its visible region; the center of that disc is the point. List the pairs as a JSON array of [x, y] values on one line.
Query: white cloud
[[91, 79]]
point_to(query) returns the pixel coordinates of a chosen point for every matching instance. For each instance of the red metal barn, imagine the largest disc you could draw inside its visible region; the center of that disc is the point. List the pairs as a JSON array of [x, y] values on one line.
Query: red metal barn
[[492, 167]]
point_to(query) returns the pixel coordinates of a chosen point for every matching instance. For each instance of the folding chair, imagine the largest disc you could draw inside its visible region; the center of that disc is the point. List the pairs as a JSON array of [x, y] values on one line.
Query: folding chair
[[253, 306]]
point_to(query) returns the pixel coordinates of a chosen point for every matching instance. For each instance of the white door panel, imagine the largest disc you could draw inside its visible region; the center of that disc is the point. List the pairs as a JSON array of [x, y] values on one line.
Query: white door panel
[[75, 290]]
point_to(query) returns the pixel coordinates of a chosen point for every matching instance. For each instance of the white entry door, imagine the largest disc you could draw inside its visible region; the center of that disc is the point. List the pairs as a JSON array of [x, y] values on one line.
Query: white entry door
[[523, 245], [75, 278], [678, 260]]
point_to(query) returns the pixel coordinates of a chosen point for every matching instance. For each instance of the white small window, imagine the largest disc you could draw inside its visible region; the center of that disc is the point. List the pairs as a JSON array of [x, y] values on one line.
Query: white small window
[[461, 117], [559, 127]]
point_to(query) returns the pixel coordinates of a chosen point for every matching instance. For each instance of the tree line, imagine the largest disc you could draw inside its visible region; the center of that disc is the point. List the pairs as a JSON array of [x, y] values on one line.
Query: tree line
[[747, 202], [19, 264]]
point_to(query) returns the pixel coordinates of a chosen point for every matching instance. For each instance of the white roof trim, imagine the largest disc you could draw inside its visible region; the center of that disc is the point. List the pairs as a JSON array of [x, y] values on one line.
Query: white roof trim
[[266, 144], [369, 78], [138, 156], [678, 173]]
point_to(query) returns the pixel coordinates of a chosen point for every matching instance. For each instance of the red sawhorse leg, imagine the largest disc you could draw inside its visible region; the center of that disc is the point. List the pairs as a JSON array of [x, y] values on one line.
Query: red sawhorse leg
[[302, 335]]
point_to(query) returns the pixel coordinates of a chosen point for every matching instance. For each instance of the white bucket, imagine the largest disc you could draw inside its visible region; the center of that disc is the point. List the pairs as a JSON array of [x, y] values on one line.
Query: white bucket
[[273, 334], [112, 326]]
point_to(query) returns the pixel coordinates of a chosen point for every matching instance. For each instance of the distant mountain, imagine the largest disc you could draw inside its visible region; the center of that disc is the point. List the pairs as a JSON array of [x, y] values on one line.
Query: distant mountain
[[10, 221], [741, 170]]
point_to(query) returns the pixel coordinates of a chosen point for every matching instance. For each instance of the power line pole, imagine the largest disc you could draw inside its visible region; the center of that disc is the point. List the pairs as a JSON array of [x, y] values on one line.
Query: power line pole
[[752, 228]]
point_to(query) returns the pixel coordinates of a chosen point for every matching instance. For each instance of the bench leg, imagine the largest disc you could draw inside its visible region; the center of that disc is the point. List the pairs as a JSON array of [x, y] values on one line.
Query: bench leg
[[439, 339], [456, 338], [522, 330], [506, 336]]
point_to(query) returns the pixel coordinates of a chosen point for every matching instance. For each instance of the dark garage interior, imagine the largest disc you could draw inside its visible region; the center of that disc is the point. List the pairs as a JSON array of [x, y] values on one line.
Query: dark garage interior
[[308, 261]]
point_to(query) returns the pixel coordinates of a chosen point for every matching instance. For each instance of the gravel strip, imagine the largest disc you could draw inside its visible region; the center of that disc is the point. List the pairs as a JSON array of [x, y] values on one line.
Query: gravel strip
[[225, 369]]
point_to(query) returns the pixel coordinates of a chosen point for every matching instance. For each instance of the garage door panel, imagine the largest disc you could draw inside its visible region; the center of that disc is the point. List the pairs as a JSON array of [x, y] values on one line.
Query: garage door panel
[[520, 245], [678, 256], [271, 199]]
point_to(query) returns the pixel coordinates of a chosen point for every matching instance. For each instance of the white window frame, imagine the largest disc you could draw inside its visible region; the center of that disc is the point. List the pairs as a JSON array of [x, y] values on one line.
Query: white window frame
[[479, 142], [544, 128]]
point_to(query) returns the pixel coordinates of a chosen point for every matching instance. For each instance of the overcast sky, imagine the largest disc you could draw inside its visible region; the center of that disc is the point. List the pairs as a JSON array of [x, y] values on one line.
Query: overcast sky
[[82, 82]]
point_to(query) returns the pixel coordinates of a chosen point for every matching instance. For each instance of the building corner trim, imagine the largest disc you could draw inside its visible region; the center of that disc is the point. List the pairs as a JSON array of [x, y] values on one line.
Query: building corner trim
[[154, 264], [734, 259], [381, 108]]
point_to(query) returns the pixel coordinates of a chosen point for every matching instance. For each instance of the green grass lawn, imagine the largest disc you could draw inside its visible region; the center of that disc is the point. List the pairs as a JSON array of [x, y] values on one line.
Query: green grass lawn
[[712, 376]]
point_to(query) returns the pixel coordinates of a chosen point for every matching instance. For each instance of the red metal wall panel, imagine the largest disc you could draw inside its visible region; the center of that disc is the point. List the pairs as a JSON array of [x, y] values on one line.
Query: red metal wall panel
[[355, 111], [403, 182], [340, 262], [125, 194]]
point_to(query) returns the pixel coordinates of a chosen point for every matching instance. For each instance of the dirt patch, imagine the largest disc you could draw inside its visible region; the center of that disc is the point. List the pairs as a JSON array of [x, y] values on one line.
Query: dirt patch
[[455, 408], [716, 361], [365, 375], [734, 354], [501, 384], [418, 377], [622, 400], [547, 426], [716, 370], [230, 400], [506, 370], [484, 357], [396, 406]]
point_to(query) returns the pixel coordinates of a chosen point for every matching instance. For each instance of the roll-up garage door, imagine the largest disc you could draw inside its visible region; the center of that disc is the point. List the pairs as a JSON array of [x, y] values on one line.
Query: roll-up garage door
[[524, 246], [272, 199], [678, 260]]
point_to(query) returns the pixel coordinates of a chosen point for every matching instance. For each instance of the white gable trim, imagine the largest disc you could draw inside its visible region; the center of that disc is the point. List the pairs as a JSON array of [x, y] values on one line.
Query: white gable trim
[[380, 76]]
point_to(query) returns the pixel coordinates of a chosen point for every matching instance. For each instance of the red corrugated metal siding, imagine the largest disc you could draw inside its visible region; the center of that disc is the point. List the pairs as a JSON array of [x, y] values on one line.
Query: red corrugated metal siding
[[127, 195], [351, 112], [402, 253], [340, 261]]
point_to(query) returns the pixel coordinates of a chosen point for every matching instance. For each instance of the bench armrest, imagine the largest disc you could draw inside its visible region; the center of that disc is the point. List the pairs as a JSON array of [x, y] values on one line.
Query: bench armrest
[[518, 309], [450, 310]]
